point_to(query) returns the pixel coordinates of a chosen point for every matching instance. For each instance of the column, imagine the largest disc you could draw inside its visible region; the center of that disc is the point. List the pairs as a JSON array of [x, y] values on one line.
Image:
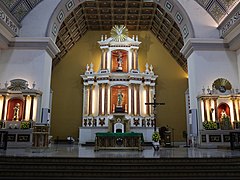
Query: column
[[34, 61], [132, 99], [234, 109], [209, 109], [90, 100], [215, 108], [204, 110], [24, 106], [105, 64], [133, 59], [198, 60], [138, 100], [3, 108], [136, 59], [100, 100], [102, 56], [86, 100], [238, 109], [147, 100], [106, 99], [31, 108]]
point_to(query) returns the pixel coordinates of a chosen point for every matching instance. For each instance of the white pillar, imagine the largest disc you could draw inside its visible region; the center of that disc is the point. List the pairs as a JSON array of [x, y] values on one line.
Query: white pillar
[[238, 66], [29, 59], [208, 60]]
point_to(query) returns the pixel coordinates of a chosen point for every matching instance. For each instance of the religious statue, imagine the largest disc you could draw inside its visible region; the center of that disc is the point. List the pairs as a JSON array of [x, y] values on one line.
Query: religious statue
[[91, 67], [119, 61], [16, 110], [147, 70], [87, 68], [223, 114], [119, 98]]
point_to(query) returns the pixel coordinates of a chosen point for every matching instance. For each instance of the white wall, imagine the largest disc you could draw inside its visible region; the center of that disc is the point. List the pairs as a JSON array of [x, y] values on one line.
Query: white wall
[[36, 22], [30, 65], [238, 64], [203, 24], [205, 67]]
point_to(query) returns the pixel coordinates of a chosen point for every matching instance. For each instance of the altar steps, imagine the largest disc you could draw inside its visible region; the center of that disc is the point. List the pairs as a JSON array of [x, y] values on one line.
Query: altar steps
[[118, 168]]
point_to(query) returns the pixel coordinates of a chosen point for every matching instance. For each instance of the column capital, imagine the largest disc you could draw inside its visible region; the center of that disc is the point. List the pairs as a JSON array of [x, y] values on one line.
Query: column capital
[[44, 43], [199, 44]]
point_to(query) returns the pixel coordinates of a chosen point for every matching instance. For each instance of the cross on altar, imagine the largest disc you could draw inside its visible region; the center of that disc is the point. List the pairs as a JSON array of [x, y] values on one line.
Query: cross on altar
[[154, 104]]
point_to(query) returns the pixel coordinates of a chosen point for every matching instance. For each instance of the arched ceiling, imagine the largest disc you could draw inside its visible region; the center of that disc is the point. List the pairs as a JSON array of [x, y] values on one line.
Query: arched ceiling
[[136, 15], [20, 8], [218, 9]]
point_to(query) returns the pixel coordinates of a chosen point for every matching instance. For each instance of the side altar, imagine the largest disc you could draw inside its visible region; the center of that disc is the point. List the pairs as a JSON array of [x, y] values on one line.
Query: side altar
[[20, 113], [115, 97], [219, 114]]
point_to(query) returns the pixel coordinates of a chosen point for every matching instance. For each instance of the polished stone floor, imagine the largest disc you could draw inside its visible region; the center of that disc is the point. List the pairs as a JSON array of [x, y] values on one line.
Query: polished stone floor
[[75, 150]]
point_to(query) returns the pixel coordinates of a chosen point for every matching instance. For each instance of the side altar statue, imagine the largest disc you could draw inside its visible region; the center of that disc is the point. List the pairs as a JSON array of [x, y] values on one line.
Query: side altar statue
[[118, 91]]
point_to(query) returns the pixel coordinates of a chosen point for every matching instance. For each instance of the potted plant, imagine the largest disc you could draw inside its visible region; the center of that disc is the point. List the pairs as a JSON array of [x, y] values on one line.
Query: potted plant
[[155, 140], [210, 125]]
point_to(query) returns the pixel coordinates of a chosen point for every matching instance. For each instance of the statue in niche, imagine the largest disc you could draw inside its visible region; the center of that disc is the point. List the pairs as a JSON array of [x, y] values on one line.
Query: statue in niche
[[223, 114], [16, 110], [119, 61], [119, 98]]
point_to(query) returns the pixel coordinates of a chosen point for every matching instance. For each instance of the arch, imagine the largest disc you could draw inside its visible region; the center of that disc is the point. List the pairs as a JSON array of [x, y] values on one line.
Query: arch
[[178, 13], [223, 110], [15, 109], [172, 7]]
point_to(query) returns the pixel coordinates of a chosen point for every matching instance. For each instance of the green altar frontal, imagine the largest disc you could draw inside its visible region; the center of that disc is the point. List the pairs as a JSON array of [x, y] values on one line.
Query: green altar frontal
[[129, 140]]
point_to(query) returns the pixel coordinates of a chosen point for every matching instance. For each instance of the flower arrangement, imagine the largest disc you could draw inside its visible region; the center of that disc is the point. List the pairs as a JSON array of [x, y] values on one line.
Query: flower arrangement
[[155, 136], [25, 125], [226, 123], [210, 125]]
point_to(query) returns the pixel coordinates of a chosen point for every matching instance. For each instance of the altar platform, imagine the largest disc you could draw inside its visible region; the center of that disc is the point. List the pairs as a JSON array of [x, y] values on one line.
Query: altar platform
[[79, 151]]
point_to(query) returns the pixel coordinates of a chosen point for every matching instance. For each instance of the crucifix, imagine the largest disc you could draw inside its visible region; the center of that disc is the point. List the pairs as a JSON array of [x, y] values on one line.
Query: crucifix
[[154, 104]]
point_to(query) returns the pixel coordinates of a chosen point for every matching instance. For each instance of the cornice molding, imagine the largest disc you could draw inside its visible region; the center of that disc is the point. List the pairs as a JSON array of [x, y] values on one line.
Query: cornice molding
[[196, 44], [44, 43]]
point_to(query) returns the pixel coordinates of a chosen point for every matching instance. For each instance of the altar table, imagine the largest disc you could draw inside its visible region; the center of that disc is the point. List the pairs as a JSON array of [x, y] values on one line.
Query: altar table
[[129, 140]]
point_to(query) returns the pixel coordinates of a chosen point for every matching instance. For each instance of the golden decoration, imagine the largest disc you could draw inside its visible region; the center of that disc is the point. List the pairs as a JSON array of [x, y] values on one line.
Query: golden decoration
[[119, 33], [222, 85]]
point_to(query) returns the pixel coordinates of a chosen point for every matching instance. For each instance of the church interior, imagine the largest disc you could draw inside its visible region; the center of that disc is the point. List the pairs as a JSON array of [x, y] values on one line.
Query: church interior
[[120, 79]]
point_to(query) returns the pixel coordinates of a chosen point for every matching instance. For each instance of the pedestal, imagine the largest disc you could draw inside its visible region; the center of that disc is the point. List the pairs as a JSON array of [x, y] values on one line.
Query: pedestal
[[40, 136]]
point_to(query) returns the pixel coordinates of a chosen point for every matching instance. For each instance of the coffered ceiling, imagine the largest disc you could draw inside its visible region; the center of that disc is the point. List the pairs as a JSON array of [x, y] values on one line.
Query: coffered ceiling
[[137, 15]]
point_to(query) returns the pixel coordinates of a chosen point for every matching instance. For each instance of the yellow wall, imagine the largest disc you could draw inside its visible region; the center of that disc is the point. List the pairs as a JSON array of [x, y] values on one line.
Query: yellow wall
[[67, 84]]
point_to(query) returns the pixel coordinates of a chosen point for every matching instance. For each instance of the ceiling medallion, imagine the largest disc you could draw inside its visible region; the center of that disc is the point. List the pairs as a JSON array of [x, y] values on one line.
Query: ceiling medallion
[[119, 33]]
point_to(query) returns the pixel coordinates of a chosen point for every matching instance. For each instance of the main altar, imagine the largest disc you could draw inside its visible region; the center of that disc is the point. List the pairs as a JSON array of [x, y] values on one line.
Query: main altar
[[115, 97]]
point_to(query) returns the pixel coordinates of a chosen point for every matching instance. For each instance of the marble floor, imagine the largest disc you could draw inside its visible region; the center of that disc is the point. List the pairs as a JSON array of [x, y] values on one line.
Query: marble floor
[[75, 150]]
